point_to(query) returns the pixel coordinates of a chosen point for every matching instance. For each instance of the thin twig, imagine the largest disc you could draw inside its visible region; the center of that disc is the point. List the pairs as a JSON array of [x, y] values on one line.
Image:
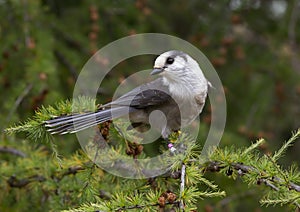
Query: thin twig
[[242, 169], [18, 101], [182, 182], [72, 170], [143, 206], [13, 181], [172, 174], [69, 41], [64, 61], [12, 151]]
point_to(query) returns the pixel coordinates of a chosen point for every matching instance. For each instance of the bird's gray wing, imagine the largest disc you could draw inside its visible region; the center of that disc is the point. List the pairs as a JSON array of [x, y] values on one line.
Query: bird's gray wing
[[150, 94]]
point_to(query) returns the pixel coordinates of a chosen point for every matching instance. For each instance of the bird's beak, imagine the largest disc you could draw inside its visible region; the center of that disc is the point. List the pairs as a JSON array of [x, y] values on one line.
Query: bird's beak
[[157, 70]]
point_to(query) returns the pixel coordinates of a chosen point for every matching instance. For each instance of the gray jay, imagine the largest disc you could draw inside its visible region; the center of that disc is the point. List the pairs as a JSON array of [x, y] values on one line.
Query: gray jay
[[179, 93]]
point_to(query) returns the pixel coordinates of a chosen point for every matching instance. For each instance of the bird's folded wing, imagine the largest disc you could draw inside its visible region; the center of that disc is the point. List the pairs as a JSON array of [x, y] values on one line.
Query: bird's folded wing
[[150, 94]]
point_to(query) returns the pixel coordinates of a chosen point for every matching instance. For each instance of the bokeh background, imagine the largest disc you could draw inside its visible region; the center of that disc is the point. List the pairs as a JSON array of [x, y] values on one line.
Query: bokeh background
[[253, 45]]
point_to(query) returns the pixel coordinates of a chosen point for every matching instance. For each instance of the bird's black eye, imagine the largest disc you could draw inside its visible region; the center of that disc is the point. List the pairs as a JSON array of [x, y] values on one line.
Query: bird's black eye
[[170, 60]]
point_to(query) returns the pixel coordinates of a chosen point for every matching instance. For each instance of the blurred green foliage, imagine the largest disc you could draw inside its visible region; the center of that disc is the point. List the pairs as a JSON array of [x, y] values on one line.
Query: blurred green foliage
[[254, 46]]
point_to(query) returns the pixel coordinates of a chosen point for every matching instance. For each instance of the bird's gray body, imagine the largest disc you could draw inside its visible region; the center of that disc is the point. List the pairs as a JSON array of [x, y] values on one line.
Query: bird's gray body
[[179, 96]]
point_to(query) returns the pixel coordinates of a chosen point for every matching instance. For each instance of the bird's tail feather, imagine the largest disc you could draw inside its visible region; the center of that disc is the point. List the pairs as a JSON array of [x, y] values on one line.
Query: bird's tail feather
[[77, 122]]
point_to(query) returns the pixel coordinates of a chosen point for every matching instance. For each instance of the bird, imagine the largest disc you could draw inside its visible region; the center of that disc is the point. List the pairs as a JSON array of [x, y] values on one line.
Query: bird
[[179, 93]]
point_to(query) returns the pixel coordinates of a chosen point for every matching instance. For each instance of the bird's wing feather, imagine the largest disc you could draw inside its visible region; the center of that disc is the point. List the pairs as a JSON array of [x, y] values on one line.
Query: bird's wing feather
[[150, 94]]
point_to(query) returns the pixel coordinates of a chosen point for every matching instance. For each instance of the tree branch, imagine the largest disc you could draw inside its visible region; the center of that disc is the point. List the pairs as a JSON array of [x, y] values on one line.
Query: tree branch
[[20, 183], [12, 151], [143, 206], [242, 169], [63, 60], [18, 101], [13, 181], [69, 41]]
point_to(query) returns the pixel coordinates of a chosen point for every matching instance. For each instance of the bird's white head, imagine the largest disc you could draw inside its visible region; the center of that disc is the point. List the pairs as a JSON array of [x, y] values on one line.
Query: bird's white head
[[180, 69]]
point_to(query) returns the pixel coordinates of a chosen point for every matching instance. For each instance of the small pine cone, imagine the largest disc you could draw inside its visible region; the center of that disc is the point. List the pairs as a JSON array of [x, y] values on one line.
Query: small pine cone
[[171, 197], [162, 201], [129, 151], [139, 149]]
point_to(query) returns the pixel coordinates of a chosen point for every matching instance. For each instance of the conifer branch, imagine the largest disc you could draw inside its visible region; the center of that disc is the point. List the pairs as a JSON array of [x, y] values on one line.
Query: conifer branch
[[34, 127], [242, 169], [16, 182], [13, 181], [286, 145], [259, 170], [246, 163], [176, 203]]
